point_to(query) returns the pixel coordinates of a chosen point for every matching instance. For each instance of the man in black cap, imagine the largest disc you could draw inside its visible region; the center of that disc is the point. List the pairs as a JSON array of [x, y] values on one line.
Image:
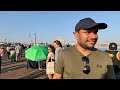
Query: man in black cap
[[115, 55], [84, 61]]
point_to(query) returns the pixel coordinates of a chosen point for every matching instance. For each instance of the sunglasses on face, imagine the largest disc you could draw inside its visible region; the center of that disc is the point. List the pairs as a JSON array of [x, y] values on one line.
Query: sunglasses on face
[[49, 49], [86, 68]]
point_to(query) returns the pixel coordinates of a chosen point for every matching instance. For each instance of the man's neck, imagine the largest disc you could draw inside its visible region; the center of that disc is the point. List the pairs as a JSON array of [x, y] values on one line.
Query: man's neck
[[84, 51]]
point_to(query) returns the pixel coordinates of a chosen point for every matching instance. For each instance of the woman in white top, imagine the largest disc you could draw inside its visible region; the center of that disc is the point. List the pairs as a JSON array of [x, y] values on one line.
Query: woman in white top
[[51, 57]]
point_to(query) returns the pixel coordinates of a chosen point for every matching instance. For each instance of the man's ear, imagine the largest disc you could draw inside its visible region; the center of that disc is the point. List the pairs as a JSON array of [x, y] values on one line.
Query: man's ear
[[76, 34]]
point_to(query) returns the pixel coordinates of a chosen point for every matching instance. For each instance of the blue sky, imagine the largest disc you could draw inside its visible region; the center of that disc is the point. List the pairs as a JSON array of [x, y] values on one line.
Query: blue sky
[[16, 25]]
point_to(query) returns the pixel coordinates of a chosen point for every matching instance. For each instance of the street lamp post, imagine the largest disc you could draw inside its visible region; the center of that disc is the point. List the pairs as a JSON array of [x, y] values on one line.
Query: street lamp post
[[29, 38], [35, 38], [5, 40]]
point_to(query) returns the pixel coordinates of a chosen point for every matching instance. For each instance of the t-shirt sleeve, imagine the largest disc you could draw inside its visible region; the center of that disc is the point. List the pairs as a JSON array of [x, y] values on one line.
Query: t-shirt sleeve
[[110, 69], [59, 63]]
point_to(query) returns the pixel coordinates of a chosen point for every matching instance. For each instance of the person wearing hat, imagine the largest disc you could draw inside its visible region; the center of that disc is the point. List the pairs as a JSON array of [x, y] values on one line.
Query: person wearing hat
[[115, 55], [84, 61]]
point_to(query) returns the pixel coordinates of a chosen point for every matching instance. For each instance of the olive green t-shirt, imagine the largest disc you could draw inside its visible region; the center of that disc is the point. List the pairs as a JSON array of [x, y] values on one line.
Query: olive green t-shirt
[[70, 64]]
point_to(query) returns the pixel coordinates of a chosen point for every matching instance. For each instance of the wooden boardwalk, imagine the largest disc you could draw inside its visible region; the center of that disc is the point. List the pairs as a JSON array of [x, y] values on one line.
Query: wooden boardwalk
[[18, 70]]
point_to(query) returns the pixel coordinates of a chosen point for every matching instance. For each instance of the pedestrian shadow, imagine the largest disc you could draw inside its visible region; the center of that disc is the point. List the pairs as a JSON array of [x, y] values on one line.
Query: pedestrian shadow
[[8, 63], [11, 68], [35, 74]]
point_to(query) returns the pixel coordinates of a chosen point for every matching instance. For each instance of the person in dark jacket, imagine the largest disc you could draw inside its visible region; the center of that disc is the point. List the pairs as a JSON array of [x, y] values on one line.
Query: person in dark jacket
[[115, 55]]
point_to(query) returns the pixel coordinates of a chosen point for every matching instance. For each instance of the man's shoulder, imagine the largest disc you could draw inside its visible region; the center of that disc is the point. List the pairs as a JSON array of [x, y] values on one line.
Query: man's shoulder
[[100, 52], [68, 49]]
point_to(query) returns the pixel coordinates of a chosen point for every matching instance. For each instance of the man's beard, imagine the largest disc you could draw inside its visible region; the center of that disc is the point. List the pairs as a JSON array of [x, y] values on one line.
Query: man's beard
[[87, 47]]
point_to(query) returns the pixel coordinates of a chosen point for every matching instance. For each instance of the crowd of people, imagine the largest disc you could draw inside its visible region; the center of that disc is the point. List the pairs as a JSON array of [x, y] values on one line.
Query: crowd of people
[[13, 52], [81, 61]]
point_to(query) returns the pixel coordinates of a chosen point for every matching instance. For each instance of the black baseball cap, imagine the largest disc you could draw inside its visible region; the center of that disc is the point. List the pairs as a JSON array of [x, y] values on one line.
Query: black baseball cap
[[88, 23]]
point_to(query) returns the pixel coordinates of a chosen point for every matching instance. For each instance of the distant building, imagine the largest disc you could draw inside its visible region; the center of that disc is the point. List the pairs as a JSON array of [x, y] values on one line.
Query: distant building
[[72, 44], [2, 43]]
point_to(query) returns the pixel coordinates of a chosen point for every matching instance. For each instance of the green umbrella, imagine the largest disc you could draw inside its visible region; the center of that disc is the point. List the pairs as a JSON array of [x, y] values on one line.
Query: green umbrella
[[37, 53]]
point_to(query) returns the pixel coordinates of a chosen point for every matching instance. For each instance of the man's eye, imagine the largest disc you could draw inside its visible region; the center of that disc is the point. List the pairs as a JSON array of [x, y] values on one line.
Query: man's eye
[[86, 32]]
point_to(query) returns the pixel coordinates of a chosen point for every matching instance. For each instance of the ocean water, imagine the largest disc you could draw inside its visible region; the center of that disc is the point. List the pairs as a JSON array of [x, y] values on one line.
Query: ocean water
[[103, 49]]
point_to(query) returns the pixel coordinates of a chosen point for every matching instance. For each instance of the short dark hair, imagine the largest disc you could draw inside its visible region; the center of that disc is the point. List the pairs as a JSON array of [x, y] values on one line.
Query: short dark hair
[[58, 43]]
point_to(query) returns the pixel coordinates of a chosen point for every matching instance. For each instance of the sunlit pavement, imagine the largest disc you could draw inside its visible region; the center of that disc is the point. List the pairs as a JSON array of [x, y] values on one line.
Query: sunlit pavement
[[18, 70]]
